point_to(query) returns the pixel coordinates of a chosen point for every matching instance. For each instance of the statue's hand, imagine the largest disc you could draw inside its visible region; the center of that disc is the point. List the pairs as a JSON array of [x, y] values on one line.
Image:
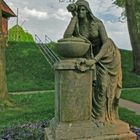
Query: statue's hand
[[83, 64], [90, 62], [81, 61]]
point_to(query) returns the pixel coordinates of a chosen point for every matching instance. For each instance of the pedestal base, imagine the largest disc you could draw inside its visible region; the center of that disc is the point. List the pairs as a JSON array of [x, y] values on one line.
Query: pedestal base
[[128, 136], [89, 131]]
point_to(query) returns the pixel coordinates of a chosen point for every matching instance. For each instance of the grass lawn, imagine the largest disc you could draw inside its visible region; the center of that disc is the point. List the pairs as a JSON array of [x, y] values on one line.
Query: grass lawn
[[132, 95], [130, 117], [30, 108]]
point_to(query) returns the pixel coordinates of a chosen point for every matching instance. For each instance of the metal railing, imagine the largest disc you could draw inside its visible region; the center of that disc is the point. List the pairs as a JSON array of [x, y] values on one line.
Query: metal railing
[[47, 39], [49, 54]]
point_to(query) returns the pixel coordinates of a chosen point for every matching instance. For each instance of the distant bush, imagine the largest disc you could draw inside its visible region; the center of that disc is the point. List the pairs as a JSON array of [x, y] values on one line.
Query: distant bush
[[17, 33]]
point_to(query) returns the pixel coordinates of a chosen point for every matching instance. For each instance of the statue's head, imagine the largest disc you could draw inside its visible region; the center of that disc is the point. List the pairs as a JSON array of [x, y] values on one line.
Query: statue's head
[[83, 3], [82, 12], [83, 9], [83, 6]]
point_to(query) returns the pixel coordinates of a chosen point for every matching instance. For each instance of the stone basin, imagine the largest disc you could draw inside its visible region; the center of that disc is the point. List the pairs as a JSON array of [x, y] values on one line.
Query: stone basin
[[72, 47]]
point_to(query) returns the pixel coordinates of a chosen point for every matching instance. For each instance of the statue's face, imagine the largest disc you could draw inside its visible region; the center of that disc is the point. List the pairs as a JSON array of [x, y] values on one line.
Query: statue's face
[[82, 12]]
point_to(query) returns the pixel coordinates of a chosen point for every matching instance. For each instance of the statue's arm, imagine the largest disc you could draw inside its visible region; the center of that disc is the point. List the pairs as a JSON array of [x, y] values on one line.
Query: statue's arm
[[71, 27], [102, 32], [105, 42]]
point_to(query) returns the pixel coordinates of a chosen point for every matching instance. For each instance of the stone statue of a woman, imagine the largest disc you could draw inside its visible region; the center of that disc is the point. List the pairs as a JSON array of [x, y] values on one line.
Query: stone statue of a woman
[[104, 54]]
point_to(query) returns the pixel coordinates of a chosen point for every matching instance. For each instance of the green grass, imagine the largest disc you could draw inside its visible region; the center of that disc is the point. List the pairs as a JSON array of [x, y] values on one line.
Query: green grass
[[130, 79], [30, 108], [132, 95], [27, 69], [129, 117]]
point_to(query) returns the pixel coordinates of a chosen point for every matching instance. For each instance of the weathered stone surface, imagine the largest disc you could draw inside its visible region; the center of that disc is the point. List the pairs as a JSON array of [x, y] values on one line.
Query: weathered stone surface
[[126, 136], [86, 129], [104, 54], [73, 94], [73, 109], [84, 111], [72, 47]]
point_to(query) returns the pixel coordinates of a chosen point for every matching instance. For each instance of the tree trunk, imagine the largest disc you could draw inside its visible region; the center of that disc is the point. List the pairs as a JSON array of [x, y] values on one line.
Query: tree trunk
[[4, 98], [3, 85], [133, 20]]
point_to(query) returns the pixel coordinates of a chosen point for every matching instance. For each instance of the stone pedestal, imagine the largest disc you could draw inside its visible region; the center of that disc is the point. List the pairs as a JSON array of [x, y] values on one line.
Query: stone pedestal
[[73, 93], [73, 105]]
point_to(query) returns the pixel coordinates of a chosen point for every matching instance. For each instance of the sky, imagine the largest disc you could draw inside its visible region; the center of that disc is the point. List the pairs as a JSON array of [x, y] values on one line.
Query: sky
[[50, 17]]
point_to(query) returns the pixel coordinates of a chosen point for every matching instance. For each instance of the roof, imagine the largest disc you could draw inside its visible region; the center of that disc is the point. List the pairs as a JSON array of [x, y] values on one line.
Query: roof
[[6, 9]]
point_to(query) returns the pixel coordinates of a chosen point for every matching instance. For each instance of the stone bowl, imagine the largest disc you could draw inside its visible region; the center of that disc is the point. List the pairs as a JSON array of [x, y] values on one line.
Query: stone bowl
[[72, 47]]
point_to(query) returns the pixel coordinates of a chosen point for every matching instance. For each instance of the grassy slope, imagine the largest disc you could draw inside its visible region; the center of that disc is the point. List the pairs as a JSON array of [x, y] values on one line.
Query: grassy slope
[[28, 70]]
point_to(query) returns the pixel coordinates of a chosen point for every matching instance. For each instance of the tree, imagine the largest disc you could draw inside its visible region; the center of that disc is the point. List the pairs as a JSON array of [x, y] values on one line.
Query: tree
[[132, 9], [4, 98], [23, 36]]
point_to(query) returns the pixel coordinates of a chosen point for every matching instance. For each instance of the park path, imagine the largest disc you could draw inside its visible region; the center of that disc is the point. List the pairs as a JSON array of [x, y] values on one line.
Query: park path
[[130, 105], [31, 92], [131, 88], [48, 91], [123, 103]]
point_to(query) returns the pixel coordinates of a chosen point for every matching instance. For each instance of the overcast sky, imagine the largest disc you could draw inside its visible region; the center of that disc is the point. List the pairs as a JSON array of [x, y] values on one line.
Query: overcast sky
[[50, 17]]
